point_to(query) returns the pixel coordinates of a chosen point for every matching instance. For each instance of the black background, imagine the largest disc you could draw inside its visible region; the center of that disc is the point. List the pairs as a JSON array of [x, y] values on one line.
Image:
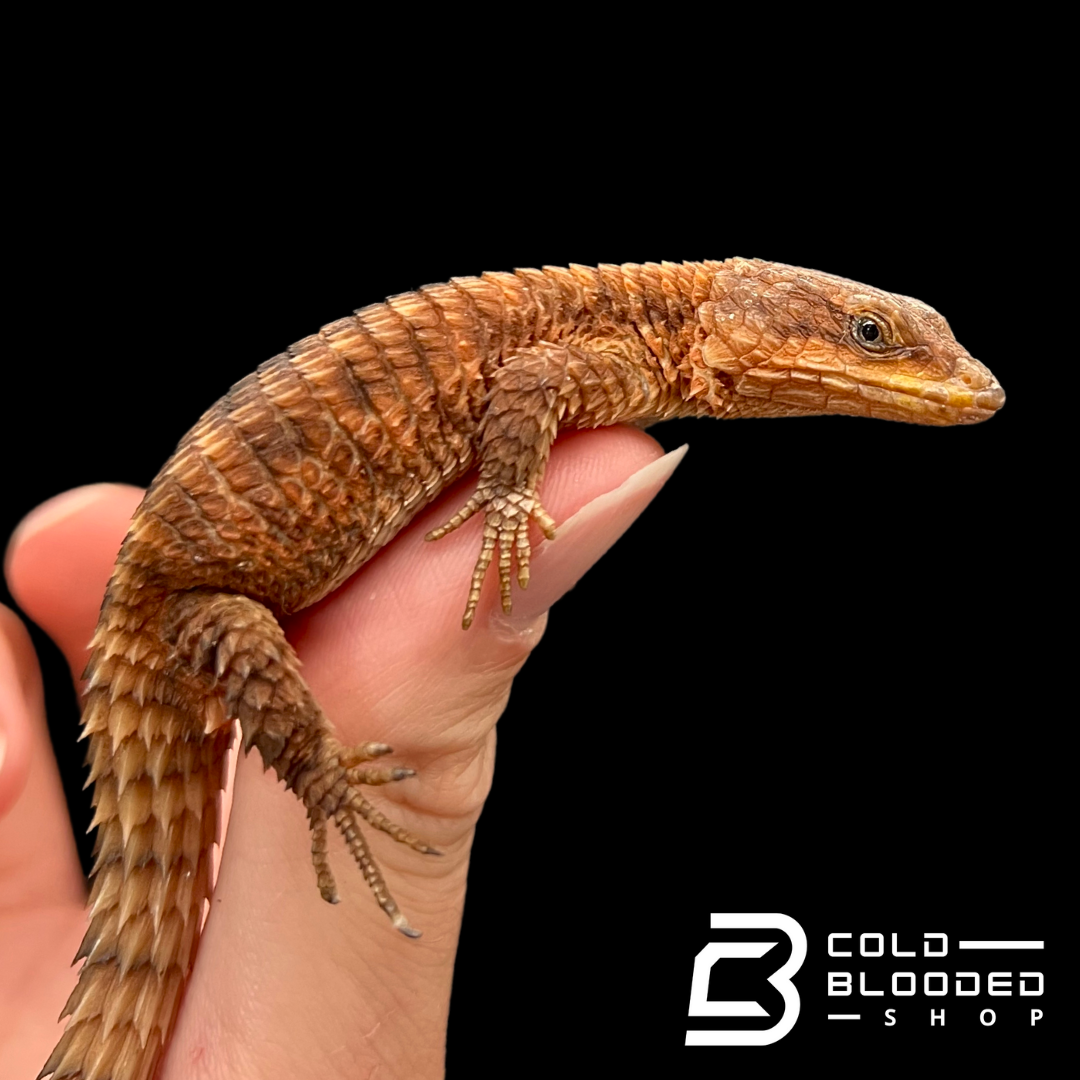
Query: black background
[[821, 675]]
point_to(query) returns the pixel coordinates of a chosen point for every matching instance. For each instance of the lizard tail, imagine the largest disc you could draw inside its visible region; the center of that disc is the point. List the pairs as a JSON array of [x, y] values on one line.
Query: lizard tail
[[156, 757]]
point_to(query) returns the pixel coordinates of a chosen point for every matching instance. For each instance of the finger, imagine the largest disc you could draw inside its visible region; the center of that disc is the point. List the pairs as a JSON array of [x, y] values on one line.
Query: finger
[[59, 561], [20, 693], [56, 564], [387, 659], [38, 861], [42, 894]]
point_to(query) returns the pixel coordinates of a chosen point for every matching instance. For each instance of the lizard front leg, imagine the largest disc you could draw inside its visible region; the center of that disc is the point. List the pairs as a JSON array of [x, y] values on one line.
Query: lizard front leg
[[239, 648], [535, 392]]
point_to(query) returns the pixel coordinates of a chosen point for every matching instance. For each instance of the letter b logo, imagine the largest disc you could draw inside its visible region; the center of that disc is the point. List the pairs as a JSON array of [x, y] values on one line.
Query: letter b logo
[[719, 951]]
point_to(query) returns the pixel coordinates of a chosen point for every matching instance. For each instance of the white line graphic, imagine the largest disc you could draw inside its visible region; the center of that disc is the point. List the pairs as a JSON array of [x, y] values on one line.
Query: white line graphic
[[845, 1016], [1001, 944]]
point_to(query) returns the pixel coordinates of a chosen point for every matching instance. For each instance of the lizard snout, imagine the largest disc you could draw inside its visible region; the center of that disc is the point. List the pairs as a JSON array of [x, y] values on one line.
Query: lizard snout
[[993, 398], [975, 391]]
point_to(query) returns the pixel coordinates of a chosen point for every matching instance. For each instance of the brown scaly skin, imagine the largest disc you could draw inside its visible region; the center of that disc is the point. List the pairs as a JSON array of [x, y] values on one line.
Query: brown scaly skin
[[311, 464]]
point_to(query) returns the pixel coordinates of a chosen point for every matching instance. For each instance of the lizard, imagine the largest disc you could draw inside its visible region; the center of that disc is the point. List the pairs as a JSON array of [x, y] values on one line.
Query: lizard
[[308, 466]]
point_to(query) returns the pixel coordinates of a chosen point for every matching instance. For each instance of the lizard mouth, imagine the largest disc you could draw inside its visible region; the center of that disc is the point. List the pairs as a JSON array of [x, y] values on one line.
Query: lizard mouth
[[969, 395], [976, 414]]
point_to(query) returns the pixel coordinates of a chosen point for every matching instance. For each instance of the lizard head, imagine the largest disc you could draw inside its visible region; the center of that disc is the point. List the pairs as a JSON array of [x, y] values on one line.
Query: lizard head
[[778, 340]]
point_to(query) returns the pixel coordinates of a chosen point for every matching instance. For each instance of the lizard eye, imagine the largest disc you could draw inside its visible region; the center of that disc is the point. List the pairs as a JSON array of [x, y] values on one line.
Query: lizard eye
[[871, 332]]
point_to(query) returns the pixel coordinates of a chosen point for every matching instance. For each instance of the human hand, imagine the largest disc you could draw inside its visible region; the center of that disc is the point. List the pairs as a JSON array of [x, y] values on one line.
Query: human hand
[[285, 984]]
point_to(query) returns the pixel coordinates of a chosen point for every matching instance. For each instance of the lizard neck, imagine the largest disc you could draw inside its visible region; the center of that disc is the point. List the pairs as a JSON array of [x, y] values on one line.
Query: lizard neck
[[649, 311]]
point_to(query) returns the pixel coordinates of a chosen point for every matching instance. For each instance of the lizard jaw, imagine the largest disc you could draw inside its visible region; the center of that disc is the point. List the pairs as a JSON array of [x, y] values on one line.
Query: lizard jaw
[[969, 395]]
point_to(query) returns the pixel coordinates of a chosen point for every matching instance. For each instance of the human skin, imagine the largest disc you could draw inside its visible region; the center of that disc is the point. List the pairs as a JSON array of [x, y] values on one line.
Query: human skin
[[286, 984]]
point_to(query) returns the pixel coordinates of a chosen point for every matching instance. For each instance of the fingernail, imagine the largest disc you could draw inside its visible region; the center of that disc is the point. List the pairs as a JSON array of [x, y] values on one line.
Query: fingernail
[[626, 501], [594, 528]]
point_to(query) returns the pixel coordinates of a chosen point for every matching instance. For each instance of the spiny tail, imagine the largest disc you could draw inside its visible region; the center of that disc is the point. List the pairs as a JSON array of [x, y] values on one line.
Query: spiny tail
[[157, 764]]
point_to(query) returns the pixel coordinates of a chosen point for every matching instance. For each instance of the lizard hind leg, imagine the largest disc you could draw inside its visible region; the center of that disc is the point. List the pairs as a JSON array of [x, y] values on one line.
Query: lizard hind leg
[[258, 674]]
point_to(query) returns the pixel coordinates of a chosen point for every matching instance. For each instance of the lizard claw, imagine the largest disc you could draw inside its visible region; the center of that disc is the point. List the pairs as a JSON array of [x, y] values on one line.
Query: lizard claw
[[400, 924]]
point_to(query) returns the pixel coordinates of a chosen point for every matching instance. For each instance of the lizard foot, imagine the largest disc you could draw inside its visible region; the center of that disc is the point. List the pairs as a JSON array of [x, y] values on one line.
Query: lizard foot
[[506, 526], [334, 794], [236, 641]]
